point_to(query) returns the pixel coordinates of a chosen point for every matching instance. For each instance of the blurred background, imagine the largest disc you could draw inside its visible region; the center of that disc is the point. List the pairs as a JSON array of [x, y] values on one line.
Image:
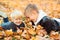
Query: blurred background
[[51, 7]]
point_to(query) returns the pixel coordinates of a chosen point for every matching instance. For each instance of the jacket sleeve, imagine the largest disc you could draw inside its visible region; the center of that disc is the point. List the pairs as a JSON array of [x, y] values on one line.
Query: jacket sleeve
[[49, 24], [21, 25], [6, 26]]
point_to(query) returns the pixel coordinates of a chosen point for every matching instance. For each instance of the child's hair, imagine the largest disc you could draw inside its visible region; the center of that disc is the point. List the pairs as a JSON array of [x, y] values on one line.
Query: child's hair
[[31, 7], [16, 14]]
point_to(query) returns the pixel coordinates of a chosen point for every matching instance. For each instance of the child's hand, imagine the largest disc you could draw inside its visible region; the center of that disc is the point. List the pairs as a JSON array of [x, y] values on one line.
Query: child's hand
[[19, 31]]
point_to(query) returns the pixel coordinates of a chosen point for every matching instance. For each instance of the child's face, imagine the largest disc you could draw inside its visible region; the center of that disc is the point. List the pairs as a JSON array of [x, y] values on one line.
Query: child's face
[[32, 16], [17, 20]]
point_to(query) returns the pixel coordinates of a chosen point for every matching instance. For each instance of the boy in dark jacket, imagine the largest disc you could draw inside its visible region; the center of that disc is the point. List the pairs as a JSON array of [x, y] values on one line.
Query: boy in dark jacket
[[41, 18]]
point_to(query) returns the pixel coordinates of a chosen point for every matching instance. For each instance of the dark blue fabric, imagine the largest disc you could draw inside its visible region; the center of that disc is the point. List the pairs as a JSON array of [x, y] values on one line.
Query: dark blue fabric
[[49, 24], [11, 25], [6, 25], [6, 20]]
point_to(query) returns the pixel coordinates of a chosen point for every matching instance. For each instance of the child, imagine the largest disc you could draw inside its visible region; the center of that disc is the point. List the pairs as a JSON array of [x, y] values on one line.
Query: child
[[16, 21], [41, 18]]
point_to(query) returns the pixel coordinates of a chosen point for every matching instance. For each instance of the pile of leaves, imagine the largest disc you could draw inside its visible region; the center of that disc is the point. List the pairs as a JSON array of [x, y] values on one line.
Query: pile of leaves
[[29, 32]]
